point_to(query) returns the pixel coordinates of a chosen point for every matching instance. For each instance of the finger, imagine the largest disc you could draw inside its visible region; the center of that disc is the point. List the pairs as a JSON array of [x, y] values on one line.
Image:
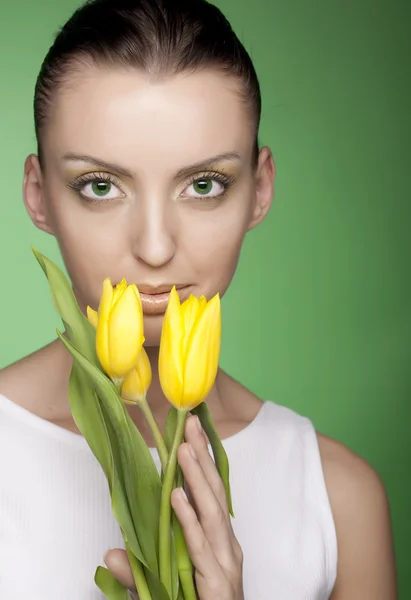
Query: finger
[[209, 511], [200, 551], [200, 444], [117, 562]]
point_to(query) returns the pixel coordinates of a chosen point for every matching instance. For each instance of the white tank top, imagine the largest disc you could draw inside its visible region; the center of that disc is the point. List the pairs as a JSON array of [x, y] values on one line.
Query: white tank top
[[56, 521]]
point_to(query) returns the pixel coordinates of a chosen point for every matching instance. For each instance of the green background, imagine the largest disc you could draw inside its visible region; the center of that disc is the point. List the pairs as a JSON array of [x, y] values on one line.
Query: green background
[[318, 317]]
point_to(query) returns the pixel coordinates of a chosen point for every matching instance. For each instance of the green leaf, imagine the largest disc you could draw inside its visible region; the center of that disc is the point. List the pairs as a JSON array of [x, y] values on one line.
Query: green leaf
[[111, 434], [120, 504], [109, 585], [88, 417], [180, 594], [79, 329], [178, 542], [175, 581], [179, 478], [157, 589], [185, 564], [136, 468], [141, 448], [219, 452]]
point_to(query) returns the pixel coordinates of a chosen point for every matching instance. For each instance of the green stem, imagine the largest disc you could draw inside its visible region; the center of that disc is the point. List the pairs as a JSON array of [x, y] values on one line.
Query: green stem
[[184, 563], [158, 438], [139, 576], [187, 583], [165, 506]]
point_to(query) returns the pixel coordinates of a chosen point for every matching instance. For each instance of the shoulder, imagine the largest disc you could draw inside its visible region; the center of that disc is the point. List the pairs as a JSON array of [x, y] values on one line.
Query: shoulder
[[360, 507], [23, 381], [13, 377]]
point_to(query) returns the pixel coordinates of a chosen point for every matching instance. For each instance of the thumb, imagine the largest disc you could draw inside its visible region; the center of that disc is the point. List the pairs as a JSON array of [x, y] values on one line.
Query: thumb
[[118, 564]]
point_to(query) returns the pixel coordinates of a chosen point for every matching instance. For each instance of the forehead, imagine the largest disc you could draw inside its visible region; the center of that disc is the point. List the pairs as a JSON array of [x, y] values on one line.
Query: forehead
[[124, 116]]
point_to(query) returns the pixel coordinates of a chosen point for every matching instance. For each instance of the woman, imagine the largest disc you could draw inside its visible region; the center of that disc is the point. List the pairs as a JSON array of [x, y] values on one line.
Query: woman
[[148, 167]]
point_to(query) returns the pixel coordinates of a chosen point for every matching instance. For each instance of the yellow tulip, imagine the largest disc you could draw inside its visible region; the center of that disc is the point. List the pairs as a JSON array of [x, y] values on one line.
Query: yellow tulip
[[119, 328], [137, 382], [189, 349]]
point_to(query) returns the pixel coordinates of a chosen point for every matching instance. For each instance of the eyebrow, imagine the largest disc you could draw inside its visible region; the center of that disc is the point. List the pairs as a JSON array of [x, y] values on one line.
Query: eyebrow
[[205, 164], [200, 166], [98, 163]]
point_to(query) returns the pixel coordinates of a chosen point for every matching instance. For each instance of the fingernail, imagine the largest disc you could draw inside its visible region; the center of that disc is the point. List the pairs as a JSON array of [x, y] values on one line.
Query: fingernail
[[192, 451], [200, 429], [105, 555], [183, 494]]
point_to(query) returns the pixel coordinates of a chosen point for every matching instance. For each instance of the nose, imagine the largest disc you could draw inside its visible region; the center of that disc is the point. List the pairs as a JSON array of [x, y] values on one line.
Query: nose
[[154, 234]]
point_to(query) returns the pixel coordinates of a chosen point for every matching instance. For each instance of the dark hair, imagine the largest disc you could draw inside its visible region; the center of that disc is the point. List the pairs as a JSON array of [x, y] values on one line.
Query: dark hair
[[160, 37]]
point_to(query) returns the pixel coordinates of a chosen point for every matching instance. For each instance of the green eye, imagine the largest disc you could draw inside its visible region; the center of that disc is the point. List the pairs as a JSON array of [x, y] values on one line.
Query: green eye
[[208, 187], [203, 186], [101, 188], [96, 187]]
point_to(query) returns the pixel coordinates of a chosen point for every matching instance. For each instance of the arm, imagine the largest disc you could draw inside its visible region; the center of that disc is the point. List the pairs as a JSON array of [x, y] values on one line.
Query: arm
[[366, 561]]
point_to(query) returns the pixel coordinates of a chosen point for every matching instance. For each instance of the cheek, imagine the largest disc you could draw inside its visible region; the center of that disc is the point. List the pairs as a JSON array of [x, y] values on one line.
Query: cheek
[[213, 243], [223, 259], [80, 230], [89, 248]]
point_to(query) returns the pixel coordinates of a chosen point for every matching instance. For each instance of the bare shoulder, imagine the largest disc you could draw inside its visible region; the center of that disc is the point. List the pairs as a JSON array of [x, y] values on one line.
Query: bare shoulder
[[360, 506], [17, 375], [33, 381]]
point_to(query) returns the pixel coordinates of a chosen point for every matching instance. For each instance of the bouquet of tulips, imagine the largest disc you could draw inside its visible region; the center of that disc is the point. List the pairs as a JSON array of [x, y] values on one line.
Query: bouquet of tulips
[[111, 368]]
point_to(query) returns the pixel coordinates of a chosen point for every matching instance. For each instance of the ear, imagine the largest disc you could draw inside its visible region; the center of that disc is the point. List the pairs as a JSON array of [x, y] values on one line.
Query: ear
[[33, 194], [264, 187]]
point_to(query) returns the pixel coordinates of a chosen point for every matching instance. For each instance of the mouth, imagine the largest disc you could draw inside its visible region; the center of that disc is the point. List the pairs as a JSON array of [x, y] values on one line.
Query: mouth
[[154, 300]]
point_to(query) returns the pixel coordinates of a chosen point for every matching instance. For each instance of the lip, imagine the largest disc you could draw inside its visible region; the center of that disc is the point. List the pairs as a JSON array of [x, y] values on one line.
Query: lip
[[154, 300]]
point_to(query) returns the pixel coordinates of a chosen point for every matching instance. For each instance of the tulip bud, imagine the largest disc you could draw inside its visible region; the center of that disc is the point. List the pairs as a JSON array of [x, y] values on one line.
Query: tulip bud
[[119, 328], [189, 349], [138, 381]]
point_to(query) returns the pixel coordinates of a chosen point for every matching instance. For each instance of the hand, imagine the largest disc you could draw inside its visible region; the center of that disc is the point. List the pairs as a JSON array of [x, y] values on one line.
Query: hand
[[214, 550]]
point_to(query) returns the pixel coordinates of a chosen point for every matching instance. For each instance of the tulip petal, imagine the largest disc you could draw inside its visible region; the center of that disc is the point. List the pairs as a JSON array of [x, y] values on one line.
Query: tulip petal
[[190, 311], [203, 355], [125, 332], [170, 359], [203, 302], [138, 381], [102, 326], [92, 316], [132, 387], [143, 367], [106, 298], [118, 291]]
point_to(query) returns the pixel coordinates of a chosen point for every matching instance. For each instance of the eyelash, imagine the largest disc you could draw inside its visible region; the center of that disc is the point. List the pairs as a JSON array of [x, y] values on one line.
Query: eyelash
[[81, 181], [224, 178], [220, 177]]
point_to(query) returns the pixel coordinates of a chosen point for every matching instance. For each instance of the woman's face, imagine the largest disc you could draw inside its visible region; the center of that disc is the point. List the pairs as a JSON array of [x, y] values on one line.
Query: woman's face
[[149, 181]]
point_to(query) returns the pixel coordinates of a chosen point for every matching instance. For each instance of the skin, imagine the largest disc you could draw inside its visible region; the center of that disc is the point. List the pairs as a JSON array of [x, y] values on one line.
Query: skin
[[154, 231]]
